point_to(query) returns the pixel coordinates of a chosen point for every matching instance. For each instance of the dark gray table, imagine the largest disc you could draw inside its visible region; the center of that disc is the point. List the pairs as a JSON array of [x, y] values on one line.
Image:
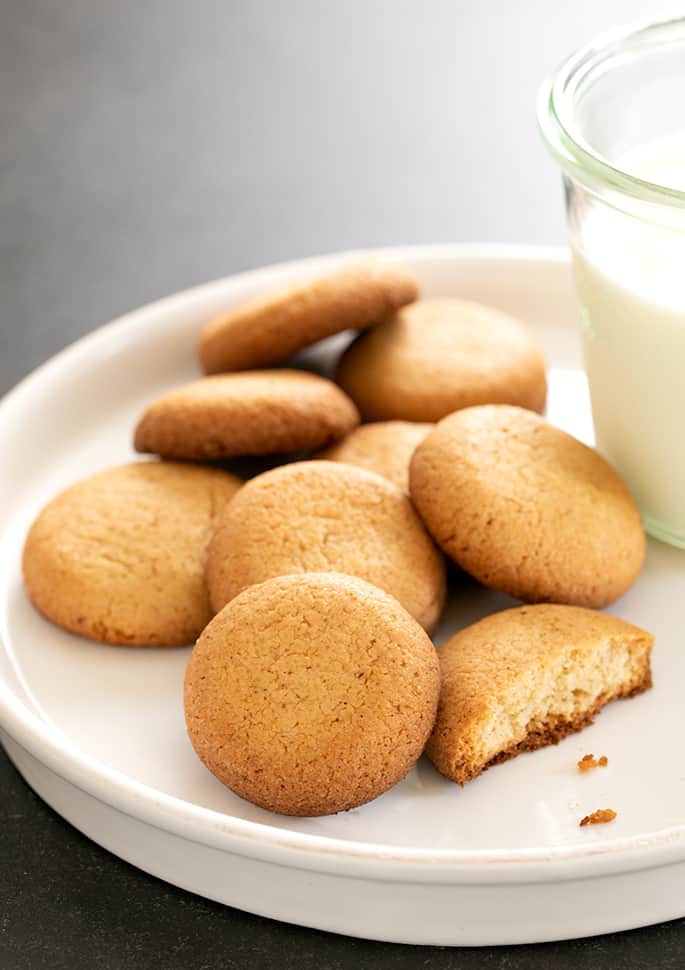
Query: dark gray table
[[148, 146]]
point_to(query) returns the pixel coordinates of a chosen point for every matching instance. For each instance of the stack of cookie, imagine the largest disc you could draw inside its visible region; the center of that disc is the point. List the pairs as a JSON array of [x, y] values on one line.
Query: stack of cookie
[[312, 588]]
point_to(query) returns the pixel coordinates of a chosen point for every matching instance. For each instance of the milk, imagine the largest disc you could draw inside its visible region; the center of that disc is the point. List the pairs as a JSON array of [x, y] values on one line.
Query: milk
[[630, 275]]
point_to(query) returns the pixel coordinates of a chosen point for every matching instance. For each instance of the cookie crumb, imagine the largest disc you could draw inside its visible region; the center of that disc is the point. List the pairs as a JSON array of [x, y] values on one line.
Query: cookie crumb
[[588, 762], [599, 817]]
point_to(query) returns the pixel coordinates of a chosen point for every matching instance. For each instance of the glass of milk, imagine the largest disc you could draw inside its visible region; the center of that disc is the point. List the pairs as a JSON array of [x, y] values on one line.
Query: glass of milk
[[613, 116]]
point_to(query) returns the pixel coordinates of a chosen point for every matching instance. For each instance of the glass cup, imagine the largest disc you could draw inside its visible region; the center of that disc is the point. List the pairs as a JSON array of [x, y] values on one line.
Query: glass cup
[[613, 118]]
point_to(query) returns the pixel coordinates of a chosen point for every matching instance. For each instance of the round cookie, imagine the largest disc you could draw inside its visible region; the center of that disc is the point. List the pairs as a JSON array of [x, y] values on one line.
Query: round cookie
[[309, 695], [270, 328], [527, 509], [436, 356], [324, 516], [252, 413], [384, 447], [120, 556]]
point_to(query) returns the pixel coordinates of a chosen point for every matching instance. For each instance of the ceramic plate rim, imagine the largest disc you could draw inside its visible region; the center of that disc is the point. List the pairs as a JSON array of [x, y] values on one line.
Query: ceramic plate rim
[[254, 839]]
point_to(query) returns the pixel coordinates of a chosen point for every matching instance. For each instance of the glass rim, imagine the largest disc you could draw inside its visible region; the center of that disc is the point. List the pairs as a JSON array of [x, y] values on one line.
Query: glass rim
[[555, 109]]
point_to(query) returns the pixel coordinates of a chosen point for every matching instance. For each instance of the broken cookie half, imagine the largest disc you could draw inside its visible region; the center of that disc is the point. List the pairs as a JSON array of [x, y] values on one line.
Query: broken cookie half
[[526, 677]]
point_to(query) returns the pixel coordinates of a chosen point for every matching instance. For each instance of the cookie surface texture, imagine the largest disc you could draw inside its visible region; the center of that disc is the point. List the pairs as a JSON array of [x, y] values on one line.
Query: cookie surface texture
[[308, 695], [526, 508], [120, 556], [524, 678], [270, 328], [384, 447], [436, 356], [252, 413], [324, 516]]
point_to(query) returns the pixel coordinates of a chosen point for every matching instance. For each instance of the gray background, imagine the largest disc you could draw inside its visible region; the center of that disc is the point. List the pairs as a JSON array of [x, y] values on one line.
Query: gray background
[[147, 146]]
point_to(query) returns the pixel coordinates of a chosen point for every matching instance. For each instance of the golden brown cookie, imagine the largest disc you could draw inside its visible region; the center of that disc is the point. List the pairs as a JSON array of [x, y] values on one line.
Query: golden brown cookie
[[120, 556], [436, 356], [270, 328], [384, 447], [527, 677], [324, 516], [253, 413], [309, 695], [526, 508]]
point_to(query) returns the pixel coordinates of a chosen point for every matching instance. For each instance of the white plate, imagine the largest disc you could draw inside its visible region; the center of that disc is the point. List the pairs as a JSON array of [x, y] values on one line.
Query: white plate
[[98, 731]]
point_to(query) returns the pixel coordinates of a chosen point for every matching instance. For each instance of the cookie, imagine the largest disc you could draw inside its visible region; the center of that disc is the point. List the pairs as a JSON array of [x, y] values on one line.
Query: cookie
[[527, 677], [309, 695], [270, 328], [324, 516], [436, 356], [253, 413], [527, 509], [384, 447], [120, 556]]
